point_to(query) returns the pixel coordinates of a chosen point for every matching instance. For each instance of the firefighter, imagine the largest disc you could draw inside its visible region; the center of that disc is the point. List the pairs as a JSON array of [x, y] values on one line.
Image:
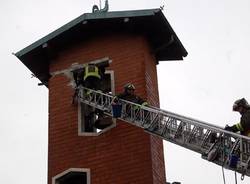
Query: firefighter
[[90, 77], [243, 126], [92, 80], [129, 95]]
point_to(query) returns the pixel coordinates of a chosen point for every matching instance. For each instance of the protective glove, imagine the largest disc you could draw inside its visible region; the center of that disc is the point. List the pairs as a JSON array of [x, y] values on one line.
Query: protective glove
[[228, 128], [115, 100]]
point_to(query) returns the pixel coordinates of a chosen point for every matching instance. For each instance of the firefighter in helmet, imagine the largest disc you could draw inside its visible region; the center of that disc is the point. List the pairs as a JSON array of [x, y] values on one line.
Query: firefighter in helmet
[[90, 77], [129, 95], [243, 126]]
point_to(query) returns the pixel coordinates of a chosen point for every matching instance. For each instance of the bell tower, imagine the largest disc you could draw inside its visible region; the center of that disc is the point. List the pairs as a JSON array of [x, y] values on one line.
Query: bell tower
[[133, 42]]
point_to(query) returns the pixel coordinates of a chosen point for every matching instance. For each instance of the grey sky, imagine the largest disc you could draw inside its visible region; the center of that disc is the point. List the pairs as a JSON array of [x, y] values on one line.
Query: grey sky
[[203, 86]]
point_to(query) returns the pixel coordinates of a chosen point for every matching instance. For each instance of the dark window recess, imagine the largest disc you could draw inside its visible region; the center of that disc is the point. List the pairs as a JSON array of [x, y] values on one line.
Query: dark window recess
[[106, 83], [73, 178]]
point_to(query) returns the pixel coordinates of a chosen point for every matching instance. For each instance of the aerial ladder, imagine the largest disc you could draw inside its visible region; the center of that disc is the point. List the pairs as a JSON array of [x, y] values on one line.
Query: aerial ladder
[[227, 149]]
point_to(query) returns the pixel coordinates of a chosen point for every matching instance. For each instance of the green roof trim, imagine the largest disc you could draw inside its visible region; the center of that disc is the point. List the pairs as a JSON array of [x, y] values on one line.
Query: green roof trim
[[86, 17], [151, 23]]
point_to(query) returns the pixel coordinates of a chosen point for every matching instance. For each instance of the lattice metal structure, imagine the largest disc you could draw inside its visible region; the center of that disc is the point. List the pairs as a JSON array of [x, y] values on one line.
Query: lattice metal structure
[[211, 141]]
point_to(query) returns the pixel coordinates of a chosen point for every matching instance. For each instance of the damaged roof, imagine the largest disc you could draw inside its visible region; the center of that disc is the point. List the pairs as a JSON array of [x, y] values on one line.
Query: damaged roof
[[152, 23]]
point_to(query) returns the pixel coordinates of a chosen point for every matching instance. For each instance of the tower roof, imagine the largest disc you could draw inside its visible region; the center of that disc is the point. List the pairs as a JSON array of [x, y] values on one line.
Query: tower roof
[[152, 23]]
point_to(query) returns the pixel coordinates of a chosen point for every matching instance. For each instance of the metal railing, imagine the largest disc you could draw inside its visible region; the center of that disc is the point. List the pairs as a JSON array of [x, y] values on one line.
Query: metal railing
[[227, 149]]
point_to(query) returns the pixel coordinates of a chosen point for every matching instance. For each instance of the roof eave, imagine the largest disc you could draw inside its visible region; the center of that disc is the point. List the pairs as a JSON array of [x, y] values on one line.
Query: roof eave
[[81, 19]]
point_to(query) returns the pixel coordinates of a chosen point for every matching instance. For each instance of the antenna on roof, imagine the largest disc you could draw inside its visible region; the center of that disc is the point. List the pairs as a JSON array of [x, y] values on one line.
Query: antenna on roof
[[95, 8]]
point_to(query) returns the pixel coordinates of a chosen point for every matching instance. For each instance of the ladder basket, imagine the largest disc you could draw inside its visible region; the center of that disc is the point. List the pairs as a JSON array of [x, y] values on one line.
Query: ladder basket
[[116, 110]]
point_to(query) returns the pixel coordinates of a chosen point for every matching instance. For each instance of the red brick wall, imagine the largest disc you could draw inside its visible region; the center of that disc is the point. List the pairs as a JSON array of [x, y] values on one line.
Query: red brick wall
[[125, 154], [153, 98]]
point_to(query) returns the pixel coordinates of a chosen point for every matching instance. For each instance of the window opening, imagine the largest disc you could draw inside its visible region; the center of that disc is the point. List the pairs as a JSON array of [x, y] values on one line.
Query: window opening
[[93, 121], [72, 176]]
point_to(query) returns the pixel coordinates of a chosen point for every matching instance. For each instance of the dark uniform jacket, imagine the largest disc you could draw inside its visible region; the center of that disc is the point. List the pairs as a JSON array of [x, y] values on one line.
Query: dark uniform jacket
[[244, 125], [131, 98]]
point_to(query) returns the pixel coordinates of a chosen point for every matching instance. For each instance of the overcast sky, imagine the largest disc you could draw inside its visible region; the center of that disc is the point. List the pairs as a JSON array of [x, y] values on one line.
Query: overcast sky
[[203, 86]]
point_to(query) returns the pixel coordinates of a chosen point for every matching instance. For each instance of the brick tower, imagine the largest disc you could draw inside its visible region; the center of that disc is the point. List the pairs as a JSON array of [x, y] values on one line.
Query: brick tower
[[135, 41]]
